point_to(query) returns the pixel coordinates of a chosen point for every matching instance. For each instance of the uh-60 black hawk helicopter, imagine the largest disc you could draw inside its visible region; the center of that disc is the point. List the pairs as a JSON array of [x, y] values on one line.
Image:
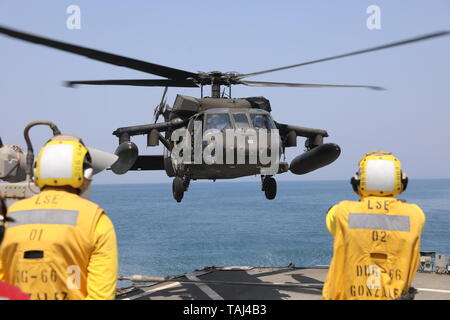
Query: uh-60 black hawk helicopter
[[220, 112]]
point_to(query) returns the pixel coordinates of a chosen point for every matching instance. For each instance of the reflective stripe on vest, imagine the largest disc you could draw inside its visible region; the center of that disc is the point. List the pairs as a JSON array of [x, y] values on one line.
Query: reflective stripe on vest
[[44, 216], [378, 222]]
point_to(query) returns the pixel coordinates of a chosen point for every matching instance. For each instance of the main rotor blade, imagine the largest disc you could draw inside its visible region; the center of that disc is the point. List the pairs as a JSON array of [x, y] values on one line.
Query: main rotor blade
[[389, 45], [304, 85], [114, 59], [137, 82]]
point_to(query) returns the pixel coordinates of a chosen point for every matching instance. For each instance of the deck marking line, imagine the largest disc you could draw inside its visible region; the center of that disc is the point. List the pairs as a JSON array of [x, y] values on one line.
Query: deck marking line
[[433, 290], [146, 292], [205, 288]]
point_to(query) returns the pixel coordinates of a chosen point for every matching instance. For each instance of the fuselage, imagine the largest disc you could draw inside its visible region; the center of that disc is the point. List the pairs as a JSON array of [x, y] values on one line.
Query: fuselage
[[228, 143]]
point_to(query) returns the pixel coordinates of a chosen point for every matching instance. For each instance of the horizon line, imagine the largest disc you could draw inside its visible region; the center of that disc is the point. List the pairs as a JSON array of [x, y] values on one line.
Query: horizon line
[[240, 181]]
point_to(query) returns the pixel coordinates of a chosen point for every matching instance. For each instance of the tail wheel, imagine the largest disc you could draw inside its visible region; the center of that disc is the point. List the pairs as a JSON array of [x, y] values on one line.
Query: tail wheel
[[178, 188]]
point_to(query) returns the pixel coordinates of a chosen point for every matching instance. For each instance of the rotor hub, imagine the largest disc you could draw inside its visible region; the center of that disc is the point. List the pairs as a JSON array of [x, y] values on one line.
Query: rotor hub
[[217, 78]]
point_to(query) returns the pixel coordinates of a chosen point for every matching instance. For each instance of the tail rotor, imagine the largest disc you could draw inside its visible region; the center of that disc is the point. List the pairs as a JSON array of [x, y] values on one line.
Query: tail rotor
[[161, 108]]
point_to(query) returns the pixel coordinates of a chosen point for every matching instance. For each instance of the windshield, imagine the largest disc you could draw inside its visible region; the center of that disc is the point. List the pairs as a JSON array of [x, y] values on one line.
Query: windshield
[[262, 121], [218, 121], [241, 121]]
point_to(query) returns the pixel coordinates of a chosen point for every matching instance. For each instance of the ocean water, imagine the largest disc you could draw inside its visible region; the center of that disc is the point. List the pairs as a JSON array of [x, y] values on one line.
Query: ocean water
[[231, 223]]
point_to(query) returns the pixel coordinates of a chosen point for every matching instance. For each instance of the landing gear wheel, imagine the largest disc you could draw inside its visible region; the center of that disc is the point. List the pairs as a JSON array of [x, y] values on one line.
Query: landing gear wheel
[[178, 188], [270, 188]]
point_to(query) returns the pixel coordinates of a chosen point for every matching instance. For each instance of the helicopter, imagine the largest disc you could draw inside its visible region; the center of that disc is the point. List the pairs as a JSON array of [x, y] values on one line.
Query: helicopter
[[217, 114]]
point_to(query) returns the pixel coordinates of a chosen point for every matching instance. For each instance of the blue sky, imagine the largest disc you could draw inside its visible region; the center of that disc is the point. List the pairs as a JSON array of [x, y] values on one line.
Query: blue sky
[[410, 119]]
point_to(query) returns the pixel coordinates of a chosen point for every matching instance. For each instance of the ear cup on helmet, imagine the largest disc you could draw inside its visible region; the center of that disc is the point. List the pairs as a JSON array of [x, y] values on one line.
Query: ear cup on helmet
[[404, 181], [355, 183]]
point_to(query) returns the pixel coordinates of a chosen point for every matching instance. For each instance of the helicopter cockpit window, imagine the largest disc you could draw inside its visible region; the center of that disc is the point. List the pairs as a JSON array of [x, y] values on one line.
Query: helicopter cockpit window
[[241, 121], [262, 121], [220, 121]]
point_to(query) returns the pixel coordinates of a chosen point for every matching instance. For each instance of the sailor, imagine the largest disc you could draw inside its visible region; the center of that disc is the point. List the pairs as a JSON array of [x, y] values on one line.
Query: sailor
[[60, 245], [7, 291], [376, 250]]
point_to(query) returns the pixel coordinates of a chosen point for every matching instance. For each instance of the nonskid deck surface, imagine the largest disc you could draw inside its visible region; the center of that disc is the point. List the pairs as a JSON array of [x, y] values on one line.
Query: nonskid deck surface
[[263, 283]]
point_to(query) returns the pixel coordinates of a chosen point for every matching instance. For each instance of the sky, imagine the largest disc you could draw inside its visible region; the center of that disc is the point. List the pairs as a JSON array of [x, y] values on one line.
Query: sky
[[410, 118]]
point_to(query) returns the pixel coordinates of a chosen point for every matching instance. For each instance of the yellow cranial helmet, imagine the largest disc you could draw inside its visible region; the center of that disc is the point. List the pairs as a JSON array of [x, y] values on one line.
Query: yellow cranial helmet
[[63, 161], [379, 174]]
